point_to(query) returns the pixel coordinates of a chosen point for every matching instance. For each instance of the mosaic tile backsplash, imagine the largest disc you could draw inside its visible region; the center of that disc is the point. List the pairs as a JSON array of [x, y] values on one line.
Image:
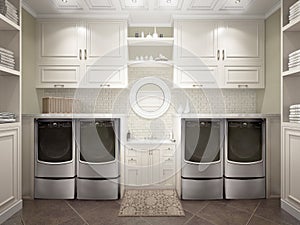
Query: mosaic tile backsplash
[[117, 101]]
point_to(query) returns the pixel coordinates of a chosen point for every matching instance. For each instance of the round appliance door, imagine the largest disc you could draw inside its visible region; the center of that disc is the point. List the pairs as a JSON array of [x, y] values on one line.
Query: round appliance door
[[97, 141], [55, 141], [245, 141]]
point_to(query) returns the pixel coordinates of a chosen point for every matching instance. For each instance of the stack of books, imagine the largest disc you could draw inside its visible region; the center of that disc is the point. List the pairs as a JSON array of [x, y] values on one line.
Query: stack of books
[[7, 117], [295, 113], [294, 11], [294, 59], [7, 58], [9, 11]]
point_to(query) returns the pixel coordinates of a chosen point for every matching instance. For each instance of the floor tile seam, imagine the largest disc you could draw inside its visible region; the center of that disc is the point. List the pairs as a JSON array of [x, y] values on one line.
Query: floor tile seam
[[272, 221], [76, 212], [242, 210], [253, 213], [201, 209], [208, 220], [186, 222]]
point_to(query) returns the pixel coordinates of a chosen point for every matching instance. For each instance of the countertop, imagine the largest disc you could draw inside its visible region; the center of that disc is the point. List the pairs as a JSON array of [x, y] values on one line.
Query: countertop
[[189, 115]]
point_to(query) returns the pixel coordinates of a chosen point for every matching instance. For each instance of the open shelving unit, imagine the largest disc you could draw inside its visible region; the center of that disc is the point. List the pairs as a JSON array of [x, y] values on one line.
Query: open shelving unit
[[147, 46], [290, 131]]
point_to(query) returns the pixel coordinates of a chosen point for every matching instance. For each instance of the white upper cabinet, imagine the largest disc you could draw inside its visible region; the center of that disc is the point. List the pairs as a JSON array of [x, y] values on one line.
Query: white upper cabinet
[[68, 51], [234, 48]]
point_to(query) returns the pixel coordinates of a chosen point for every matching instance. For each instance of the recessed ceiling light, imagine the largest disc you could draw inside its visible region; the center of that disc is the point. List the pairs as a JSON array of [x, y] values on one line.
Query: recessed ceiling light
[[134, 1], [169, 1], [64, 1], [237, 1]]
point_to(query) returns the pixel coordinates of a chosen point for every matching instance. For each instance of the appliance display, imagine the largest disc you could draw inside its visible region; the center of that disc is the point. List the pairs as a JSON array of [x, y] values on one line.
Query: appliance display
[[202, 159], [97, 158], [245, 159], [54, 159]]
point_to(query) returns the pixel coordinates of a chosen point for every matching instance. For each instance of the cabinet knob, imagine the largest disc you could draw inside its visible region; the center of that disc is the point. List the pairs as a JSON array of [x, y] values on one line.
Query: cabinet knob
[[197, 85], [243, 85], [104, 85], [59, 85]]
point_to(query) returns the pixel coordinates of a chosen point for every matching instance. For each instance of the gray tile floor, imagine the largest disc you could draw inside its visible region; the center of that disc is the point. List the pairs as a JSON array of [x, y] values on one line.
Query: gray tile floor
[[224, 212]]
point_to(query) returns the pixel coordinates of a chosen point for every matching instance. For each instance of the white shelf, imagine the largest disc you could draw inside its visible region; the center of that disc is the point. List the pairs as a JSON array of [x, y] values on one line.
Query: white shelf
[[291, 124], [7, 71], [9, 125], [150, 41], [293, 25], [150, 63], [7, 24], [291, 72]]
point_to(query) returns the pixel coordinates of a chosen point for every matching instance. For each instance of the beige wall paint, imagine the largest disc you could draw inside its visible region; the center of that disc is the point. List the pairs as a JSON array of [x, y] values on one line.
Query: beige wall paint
[[268, 100], [29, 94]]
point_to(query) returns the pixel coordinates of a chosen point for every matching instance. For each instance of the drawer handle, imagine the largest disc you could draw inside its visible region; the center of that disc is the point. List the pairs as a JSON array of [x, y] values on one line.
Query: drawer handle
[[104, 85], [197, 85], [169, 159], [243, 85], [59, 85], [131, 159]]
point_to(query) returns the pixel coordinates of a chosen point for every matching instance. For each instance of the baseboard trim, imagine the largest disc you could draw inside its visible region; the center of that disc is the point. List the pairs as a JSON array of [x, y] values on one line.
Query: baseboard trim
[[290, 209], [9, 212]]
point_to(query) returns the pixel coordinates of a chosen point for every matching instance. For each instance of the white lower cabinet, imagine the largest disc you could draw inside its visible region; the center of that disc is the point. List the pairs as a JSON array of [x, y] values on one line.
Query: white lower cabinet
[[148, 166], [290, 170], [10, 172]]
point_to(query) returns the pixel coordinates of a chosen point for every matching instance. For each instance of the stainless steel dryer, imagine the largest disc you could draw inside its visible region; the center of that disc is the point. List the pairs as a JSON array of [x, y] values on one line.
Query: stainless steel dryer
[[97, 158], [245, 159], [54, 159], [202, 159]]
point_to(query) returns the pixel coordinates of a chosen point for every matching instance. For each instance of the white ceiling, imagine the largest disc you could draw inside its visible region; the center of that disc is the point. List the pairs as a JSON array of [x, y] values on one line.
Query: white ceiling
[[151, 12]]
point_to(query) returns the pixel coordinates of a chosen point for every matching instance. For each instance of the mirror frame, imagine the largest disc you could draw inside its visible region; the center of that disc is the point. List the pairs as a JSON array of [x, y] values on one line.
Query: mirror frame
[[134, 101]]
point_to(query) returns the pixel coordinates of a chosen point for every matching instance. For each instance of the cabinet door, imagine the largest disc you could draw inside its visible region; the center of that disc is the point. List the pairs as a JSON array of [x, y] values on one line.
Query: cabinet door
[[196, 42], [58, 77], [196, 77], [241, 40], [60, 42], [243, 77], [167, 171], [291, 166], [106, 42], [105, 77], [133, 173], [154, 167], [9, 168]]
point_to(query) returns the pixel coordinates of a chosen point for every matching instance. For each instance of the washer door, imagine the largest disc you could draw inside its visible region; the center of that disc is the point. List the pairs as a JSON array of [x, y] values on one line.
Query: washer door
[[55, 141], [97, 141], [245, 141]]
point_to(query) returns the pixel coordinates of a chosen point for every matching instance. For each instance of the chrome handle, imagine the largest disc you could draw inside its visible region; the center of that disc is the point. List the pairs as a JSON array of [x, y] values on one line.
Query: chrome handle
[[223, 54], [197, 85], [218, 54], [243, 85], [80, 54], [85, 54], [104, 85], [59, 85]]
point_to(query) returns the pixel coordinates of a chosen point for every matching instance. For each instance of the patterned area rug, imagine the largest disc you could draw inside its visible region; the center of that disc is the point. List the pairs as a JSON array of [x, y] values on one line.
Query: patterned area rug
[[151, 203]]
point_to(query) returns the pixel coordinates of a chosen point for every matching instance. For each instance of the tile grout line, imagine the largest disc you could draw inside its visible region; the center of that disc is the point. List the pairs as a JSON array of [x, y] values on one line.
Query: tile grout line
[[253, 213], [186, 222], [76, 212]]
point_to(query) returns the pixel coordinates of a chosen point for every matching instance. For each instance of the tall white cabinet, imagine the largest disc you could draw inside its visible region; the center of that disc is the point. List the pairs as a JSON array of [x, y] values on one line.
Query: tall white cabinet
[[81, 53], [10, 101], [290, 85], [229, 52]]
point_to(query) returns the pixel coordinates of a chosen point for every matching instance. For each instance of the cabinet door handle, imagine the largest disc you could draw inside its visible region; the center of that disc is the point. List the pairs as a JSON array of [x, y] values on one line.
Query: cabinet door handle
[[218, 54], [197, 85], [243, 85], [104, 85], [85, 54], [80, 54], [223, 54], [59, 85]]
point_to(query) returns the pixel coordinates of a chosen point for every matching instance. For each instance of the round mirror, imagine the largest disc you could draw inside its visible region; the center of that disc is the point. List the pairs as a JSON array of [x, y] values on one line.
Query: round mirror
[[150, 97]]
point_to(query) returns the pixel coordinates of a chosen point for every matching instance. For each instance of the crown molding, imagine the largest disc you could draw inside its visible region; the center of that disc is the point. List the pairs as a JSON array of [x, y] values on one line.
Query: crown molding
[[28, 9], [84, 16], [217, 16], [273, 9]]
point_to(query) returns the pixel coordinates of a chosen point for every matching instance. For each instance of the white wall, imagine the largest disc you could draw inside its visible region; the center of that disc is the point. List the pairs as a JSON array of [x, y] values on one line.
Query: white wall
[[29, 95], [268, 100]]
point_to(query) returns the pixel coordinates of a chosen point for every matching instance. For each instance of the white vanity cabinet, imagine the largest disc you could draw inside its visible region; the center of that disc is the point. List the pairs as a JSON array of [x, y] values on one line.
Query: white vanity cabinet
[[70, 50], [234, 50], [148, 165], [10, 171]]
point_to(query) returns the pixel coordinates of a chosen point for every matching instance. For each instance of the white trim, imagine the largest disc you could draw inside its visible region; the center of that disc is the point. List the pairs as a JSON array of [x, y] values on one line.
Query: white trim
[[272, 10], [285, 205], [9, 212], [29, 9], [109, 16], [217, 16]]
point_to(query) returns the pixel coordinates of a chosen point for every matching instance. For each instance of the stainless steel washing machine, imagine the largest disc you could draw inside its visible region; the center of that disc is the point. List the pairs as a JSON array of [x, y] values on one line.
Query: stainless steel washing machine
[[98, 145], [202, 159], [54, 159], [245, 159]]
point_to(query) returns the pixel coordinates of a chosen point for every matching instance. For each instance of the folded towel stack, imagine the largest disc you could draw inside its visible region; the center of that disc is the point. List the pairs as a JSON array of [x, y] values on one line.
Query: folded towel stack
[[294, 11], [295, 113], [294, 59], [7, 58], [9, 11], [7, 117]]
